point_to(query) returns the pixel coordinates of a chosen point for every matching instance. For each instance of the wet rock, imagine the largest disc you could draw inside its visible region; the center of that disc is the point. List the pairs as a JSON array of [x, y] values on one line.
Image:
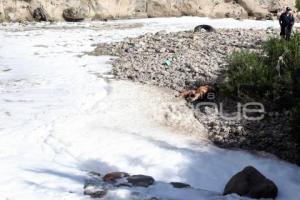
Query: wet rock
[[94, 174], [94, 191], [124, 185], [180, 185], [94, 186], [141, 180], [73, 15], [40, 14], [112, 177], [251, 183]]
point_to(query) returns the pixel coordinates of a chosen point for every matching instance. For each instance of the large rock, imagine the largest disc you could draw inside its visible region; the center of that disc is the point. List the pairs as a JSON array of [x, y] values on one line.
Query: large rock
[[279, 5], [231, 10], [140, 9], [103, 9], [15, 10], [40, 14], [251, 183], [253, 8], [196, 8], [73, 14], [159, 8], [141, 180], [2, 16]]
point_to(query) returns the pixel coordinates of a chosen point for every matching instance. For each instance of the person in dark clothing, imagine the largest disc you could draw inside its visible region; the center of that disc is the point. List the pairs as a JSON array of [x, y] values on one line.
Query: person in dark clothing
[[286, 21]]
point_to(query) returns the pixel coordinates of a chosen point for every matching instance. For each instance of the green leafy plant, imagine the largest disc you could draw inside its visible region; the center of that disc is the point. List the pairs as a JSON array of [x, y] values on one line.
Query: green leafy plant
[[265, 76], [298, 4]]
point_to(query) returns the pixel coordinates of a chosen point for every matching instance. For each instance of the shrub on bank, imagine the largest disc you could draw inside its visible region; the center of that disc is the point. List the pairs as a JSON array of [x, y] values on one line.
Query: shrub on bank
[[296, 123], [270, 76], [298, 4], [267, 75]]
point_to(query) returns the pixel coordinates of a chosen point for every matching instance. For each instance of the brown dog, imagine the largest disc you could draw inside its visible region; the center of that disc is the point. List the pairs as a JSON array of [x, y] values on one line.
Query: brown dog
[[198, 93]]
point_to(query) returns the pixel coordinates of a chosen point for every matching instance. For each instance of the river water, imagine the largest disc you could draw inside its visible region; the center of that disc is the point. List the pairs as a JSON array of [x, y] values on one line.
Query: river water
[[60, 119]]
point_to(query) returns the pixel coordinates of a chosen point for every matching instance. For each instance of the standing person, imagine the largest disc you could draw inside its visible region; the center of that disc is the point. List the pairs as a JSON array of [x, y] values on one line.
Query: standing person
[[286, 22]]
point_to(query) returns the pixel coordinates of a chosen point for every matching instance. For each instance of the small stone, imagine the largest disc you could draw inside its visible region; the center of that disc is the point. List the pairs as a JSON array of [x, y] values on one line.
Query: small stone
[[240, 129], [212, 124], [162, 50], [94, 192], [287, 113], [112, 177], [141, 180], [95, 174], [180, 185], [124, 185]]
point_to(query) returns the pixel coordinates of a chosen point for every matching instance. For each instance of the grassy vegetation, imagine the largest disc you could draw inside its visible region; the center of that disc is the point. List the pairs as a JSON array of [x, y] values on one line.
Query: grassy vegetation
[[296, 123], [298, 4], [270, 76], [265, 76]]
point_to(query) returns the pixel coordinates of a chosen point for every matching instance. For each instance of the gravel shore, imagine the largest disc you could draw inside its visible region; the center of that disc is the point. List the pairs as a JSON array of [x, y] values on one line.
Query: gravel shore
[[178, 60]]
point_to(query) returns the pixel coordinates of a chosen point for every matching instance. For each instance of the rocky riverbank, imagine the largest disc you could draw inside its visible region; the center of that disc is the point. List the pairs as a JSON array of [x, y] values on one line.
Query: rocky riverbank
[[187, 60], [248, 183]]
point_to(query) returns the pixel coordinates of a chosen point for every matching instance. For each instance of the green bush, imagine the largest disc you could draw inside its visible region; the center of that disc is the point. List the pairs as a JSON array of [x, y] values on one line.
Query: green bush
[[296, 122], [265, 76], [290, 50], [254, 76], [298, 4], [246, 70]]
